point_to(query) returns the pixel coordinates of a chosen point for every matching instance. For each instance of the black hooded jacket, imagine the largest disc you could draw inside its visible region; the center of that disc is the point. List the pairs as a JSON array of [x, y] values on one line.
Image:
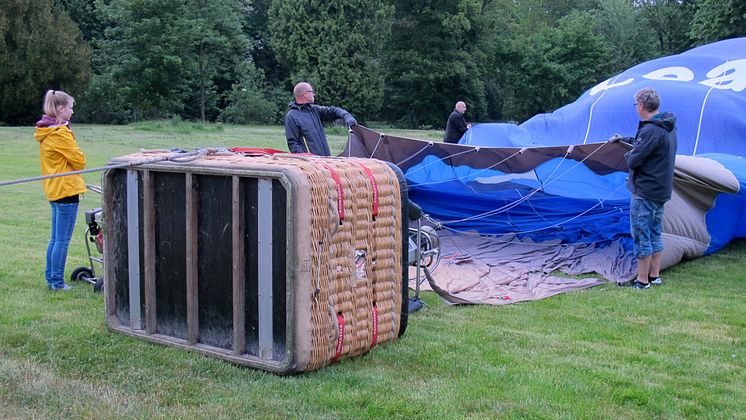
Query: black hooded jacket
[[651, 160], [304, 130]]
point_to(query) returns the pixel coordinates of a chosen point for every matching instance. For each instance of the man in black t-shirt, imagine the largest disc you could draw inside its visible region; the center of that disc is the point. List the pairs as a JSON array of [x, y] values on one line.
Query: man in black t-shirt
[[457, 125]]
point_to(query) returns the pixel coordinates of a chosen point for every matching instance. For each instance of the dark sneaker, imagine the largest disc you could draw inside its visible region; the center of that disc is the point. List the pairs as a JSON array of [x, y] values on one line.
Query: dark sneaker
[[640, 285], [655, 280]]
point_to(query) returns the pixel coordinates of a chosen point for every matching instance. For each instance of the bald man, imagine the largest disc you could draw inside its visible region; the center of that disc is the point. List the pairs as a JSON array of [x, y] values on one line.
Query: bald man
[[457, 125], [303, 122]]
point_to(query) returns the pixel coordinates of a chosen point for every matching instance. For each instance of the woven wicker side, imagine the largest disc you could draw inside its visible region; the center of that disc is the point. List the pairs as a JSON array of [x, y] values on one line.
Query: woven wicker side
[[305, 342], [368, 197], [322, 227], [365, 240], [342, 298], [360, 328], [371, 236], [386, 246]]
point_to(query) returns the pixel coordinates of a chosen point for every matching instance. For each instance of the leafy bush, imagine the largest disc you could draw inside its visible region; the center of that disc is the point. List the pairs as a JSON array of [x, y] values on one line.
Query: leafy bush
[[248, 106], [252, 101]]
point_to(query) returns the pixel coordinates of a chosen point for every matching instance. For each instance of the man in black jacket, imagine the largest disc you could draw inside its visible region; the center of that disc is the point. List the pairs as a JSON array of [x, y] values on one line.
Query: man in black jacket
[[651, 167], [303, 122], [456, 125]]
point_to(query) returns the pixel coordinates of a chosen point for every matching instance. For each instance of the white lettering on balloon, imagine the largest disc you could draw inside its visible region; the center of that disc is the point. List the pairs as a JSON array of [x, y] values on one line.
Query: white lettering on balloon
[[726, 76], [608, 85], [732, 75], [676, 74]]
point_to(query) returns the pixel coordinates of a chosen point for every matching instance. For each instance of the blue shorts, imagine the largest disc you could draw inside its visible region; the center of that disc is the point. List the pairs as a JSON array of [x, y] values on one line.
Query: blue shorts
[[645, 221]]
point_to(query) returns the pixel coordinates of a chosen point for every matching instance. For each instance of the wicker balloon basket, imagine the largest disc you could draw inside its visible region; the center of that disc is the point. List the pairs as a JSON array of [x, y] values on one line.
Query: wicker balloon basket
[[280, 262]]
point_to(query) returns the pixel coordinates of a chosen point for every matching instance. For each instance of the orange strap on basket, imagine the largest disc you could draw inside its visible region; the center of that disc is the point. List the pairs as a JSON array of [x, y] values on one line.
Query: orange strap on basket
[[340, 192], [340, 338], [374, 186], [374, 340]]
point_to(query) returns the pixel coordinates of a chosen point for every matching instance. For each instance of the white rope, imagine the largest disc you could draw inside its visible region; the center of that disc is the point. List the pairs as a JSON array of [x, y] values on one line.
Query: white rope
[[376, 147], [600, 203], [459, 178], [549, 180], [415, 154], [551, 226], [702, 113], [516, 203], [593, 105], [419, 168]]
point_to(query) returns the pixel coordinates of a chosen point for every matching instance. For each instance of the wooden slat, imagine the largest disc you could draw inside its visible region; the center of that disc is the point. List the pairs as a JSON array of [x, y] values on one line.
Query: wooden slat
[[191, 262], [149, 251], [111, 258], [264, 237], [239, 270], [133, 250]]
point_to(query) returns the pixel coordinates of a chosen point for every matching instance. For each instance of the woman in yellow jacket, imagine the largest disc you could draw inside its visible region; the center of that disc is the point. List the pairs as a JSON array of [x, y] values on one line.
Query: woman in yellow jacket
[[59, 153]]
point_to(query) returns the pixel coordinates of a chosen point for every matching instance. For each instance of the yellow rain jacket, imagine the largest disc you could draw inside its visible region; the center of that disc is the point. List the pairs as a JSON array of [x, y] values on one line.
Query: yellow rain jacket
[[59, 153]]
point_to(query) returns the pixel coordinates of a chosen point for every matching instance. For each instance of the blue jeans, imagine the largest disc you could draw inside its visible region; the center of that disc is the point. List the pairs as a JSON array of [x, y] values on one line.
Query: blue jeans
[[63, 224], [645, 221]]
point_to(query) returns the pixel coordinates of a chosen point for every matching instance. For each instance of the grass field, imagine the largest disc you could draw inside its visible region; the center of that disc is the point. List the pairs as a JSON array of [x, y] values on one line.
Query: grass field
[[676, 351]]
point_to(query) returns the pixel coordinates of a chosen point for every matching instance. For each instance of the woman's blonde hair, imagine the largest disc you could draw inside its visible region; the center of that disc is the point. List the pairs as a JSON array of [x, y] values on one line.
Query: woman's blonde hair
[[54, 99]]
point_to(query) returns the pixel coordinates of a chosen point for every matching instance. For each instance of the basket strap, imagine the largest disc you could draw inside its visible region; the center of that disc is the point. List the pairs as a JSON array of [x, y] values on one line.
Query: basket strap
[[374, 340], [340, 192], [340, 337], [374, 187]]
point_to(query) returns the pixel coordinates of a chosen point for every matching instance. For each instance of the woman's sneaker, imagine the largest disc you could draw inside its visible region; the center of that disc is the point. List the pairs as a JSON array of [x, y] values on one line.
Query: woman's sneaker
[[640, 285], [655, 280]]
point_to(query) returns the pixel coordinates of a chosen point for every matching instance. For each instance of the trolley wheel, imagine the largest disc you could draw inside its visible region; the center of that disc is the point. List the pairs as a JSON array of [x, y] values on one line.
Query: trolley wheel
[[81, 274], [99, 286]]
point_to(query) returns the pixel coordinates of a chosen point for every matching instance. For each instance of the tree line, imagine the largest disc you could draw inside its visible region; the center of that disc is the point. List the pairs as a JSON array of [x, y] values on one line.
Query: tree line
[[402, 61]]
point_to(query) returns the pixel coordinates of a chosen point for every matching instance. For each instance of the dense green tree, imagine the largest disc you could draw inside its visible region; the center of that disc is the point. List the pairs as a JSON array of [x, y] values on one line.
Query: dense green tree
[[622, 26], [147, 56], [436, 56], [220, 45], [252, 100], [40, 48], [549, 12], [669, 20], [552, 66], [335, 46], [167, 57], [86, 15], [265, 58], [715, 20]]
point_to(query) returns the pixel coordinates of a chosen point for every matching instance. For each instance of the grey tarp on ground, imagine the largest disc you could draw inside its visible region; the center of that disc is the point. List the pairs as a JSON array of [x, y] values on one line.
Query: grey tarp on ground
[[497, 271]]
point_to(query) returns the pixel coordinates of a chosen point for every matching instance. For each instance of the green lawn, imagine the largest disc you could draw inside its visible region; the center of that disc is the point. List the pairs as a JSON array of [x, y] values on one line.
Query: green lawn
[[675, 351]]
